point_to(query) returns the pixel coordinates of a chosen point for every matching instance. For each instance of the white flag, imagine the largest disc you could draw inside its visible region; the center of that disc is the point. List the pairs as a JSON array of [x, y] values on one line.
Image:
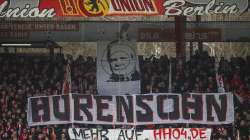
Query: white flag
[[117, 68], [219, 78], [220, 83]]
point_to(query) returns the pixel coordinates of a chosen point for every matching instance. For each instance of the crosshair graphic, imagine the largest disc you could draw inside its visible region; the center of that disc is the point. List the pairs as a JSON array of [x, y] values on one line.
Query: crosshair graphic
[[119, 61]]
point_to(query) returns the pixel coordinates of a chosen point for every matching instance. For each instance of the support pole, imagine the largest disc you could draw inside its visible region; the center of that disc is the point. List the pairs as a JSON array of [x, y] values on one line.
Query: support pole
[[200, 43], [180, 29]]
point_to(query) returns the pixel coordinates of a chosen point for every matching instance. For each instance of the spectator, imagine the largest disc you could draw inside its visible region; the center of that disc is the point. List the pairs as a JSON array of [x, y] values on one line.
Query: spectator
[[23, 76]]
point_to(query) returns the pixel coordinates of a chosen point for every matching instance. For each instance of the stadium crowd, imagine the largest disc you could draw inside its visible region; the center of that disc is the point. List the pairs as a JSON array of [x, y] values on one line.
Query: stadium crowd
[[23, 76]]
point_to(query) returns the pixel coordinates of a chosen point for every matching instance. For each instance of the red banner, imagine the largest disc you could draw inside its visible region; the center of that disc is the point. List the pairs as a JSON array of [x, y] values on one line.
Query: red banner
[[97, 8], [79, 8]]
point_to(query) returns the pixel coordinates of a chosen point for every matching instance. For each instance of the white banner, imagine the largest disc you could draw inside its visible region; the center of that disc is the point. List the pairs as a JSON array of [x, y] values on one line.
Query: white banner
[[165, 108], [132, 134], [118, 70], [59, 110]]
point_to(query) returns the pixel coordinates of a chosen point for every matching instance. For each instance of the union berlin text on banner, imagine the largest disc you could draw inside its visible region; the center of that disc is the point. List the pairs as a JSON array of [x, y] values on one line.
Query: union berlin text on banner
[[100, 8], [165, 108], [118, 71]]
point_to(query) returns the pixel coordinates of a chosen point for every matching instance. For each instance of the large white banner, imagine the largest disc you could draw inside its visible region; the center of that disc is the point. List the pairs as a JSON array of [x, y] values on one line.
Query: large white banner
[[165, 108], [118, 70], [136, 134]]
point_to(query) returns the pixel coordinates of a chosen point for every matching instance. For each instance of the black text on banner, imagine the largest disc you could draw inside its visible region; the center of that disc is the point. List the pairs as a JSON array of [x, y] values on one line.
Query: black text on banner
[[217, 108]]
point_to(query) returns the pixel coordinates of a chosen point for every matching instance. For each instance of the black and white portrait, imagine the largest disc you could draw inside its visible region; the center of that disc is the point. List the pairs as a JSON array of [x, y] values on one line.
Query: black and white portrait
[[119, 61]]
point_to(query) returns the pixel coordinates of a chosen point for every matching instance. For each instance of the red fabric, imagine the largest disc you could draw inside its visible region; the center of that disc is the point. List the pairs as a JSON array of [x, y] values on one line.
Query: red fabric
[[67, 81], [53, 135], [58, 7], [46, 131], [150, 126], [236, 81], [23, 136], [51, 4], [242, 91], [66, 88]]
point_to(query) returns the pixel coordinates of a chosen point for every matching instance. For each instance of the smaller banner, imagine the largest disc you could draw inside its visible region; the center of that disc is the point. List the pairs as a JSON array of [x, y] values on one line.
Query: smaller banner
[[118, 70], [134, 134], [168, 34]]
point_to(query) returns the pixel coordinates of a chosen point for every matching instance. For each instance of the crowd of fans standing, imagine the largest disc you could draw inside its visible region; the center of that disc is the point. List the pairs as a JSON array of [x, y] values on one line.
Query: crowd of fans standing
[[23, 76]]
